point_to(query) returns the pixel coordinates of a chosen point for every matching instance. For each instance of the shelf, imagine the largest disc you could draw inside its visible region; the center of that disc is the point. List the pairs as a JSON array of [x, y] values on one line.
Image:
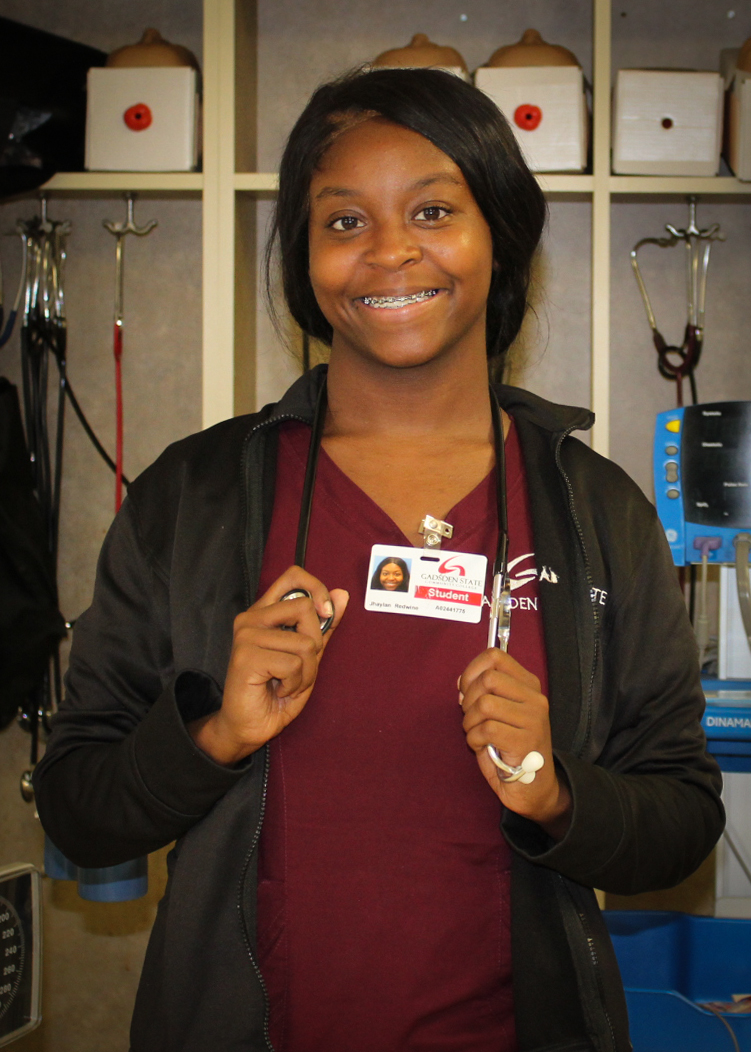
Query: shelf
[[90, 182], [268, 182], [565, 184], [677, 184], [259, 182]]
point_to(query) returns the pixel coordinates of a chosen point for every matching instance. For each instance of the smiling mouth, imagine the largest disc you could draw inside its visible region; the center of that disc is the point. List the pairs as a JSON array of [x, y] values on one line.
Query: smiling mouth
[[395, 302]]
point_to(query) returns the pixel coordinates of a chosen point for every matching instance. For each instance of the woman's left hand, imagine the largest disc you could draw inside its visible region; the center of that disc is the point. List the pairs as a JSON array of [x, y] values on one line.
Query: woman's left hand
[[504, 707]]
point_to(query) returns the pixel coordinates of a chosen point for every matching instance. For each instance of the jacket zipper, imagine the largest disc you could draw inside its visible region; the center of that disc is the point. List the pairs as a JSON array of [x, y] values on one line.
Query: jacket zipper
[[264, 790], [594, 959], [243, 877], [586, 931]]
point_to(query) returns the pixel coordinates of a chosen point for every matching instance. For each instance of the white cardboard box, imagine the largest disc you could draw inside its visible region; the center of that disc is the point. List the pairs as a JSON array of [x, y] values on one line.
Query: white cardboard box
[[558, 143], [667, 122], [168, 98], [739, 126]]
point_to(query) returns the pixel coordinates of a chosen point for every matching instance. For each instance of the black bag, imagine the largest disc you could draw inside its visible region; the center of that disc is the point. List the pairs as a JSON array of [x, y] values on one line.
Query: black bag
[[42, 105], [31, 625]]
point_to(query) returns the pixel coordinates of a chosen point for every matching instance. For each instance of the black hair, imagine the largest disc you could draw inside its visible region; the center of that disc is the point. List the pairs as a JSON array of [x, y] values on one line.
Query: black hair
[[375, 581], [469, 128]]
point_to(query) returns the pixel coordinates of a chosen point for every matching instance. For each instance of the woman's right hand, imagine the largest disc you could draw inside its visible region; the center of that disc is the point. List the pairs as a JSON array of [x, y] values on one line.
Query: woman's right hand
[[271, 671]]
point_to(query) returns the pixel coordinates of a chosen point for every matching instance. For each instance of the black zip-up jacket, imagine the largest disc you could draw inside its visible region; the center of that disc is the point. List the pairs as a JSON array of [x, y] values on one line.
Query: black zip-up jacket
[[121, 776]]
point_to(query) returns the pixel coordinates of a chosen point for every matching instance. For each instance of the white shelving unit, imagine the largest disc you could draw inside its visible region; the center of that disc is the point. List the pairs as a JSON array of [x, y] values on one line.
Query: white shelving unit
[[228, 61]]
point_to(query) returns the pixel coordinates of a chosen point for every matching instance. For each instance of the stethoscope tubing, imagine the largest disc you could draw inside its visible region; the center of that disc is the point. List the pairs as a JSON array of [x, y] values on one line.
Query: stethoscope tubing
[[500, 607], [500, 563]]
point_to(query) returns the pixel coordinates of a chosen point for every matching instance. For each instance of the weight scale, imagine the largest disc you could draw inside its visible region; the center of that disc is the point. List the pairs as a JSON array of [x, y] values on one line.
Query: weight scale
[[20, 951]]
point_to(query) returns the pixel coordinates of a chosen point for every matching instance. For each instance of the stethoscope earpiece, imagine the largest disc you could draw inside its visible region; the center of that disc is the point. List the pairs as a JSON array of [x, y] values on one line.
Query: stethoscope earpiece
[[303, 593]]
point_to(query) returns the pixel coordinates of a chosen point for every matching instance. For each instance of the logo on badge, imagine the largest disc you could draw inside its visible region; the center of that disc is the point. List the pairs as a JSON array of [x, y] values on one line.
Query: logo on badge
[[448, 566]]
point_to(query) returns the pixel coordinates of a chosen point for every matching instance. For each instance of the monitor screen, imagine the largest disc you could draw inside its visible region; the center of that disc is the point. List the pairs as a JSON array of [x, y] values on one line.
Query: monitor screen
[[716, 464]]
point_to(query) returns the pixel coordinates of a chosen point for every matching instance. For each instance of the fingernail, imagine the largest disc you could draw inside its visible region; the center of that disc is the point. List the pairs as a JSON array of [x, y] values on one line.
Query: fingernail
[[328, 608], [459, 683], [461, 697]]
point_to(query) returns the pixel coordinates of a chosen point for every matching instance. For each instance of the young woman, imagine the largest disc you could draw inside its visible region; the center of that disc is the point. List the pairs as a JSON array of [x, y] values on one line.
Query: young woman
[[352, 868], [391, 574]]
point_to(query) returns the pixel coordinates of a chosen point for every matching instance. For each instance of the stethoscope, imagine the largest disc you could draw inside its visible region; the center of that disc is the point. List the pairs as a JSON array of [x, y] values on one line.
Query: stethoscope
[[499, 626]]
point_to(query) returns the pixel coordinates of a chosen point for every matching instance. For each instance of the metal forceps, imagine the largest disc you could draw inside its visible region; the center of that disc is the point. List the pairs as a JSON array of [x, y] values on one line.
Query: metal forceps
[[679, 363], [121, 230]]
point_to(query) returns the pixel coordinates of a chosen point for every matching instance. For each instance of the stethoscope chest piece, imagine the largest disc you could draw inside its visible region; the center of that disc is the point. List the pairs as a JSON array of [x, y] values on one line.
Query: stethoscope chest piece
[[303, 593]]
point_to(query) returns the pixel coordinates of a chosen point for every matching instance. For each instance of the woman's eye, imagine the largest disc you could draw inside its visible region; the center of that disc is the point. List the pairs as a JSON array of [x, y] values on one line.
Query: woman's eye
[[432, 213], [345, 223]]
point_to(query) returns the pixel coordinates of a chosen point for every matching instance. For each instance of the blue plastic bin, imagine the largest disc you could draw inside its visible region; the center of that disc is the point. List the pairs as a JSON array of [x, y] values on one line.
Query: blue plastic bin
[[129, 880], [669, 961]]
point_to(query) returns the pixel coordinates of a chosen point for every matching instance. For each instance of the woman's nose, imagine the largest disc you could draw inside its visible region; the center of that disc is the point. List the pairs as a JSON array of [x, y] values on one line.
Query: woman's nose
[[393, 245]]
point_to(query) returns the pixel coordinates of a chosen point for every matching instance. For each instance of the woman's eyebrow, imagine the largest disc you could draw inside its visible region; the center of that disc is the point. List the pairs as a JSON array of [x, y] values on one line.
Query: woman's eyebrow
[[437, 177], [421, 184], [336, 191]]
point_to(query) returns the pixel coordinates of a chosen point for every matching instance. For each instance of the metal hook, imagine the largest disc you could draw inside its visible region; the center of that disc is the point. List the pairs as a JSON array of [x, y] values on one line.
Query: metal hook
[[712, 233], [45, 224], [120, 230], [129, 226]]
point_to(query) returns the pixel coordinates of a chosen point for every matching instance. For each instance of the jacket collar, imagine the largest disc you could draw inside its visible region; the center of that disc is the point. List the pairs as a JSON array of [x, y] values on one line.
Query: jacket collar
[[547, 415], [299, 402]]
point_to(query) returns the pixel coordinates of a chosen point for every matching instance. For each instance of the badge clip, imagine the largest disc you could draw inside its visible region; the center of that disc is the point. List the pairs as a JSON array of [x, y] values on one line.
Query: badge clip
[[433, 530]]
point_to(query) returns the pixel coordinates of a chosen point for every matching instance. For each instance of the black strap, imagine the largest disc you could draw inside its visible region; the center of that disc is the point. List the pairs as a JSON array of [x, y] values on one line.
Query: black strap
[[306, 505], [501, 553]]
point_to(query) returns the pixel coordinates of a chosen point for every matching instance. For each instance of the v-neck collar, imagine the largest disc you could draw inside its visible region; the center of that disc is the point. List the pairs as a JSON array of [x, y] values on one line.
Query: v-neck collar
[[363, 515]]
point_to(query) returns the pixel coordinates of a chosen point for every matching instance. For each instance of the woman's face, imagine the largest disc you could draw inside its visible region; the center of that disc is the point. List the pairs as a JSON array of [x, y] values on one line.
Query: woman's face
[[390, 577], [400, 254]]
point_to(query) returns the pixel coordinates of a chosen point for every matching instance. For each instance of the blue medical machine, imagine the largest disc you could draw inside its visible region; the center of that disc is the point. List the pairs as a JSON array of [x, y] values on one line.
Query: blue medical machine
[[702, 478], [702, 469]]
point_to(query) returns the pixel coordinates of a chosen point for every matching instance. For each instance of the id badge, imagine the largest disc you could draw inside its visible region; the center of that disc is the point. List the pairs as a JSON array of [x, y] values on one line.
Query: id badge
[[443, 584]]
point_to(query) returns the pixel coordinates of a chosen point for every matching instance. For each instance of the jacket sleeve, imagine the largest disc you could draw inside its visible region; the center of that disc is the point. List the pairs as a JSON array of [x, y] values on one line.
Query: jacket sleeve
[[647, 810], [121, 775]]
